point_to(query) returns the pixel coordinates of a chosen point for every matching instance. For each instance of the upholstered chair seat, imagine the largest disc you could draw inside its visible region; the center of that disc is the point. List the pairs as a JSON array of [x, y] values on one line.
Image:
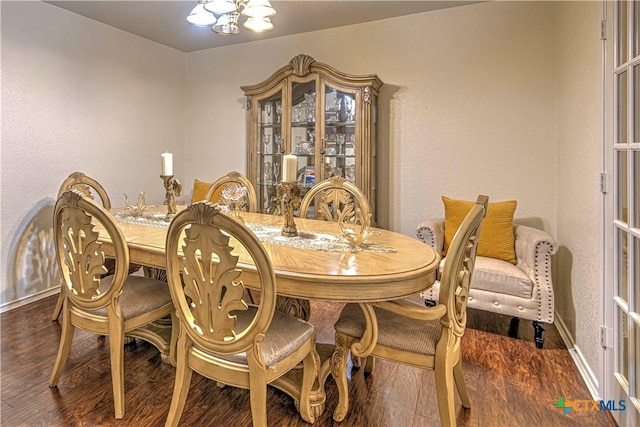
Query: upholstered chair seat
[[281, 340], [139, 294], [396, 332]]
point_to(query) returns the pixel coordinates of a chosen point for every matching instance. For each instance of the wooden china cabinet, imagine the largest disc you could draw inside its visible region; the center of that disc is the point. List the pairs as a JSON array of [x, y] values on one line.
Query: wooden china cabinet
[[326, 118]]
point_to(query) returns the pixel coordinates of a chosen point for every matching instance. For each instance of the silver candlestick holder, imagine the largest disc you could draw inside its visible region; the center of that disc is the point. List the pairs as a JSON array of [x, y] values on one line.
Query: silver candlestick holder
[[172, 189], [289, 195]]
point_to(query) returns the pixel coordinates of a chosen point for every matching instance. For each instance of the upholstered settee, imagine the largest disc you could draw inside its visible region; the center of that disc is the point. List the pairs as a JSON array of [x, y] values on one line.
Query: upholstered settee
[[523, 290]]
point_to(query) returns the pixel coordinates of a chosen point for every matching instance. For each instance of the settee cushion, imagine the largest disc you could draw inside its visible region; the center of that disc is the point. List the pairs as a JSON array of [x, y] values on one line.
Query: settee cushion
[[496, 236], [500, 277], [200, 189]]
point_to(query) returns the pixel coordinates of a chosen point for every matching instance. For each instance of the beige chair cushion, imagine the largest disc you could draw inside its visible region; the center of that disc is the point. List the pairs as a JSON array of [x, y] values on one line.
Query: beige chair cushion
[[285, 335], [397, 332], [497, 276], [139, 295]]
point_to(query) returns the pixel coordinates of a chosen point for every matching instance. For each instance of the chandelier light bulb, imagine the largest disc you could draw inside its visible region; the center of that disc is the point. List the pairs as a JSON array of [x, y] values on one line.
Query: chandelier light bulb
[[258, 24], [258, 9], [200, 17]]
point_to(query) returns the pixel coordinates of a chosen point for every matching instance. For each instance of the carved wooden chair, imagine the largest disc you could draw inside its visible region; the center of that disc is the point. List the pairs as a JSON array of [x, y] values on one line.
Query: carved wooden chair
[[209, 256], [88, 187], [410, 333], [234, 178], [113, 306], [333, 199]]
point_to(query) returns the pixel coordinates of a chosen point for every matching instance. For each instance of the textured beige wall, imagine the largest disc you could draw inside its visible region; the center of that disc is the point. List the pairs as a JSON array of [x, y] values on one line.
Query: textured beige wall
[[579, 119], [77, 95], [468, 105]]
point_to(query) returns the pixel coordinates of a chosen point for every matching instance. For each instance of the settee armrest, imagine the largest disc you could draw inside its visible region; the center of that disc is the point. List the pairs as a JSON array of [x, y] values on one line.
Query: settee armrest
[[534, 248], [431, 232]]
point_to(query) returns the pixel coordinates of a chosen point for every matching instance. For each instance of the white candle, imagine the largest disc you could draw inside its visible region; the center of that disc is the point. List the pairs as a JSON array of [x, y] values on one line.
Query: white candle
[[289, 168], [167, 164]]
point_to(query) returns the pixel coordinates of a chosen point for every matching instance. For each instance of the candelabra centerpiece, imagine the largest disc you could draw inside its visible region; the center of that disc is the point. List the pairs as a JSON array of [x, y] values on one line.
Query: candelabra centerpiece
[[172, 187], [289, 195]]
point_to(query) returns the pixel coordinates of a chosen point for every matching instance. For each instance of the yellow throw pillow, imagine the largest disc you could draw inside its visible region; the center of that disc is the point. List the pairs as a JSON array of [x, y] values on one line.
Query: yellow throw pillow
[[496, 236], [200, 189]]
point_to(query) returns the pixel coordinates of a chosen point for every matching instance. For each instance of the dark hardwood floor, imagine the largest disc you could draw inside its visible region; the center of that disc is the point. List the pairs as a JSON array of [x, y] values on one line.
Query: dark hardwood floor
[[510, 382]]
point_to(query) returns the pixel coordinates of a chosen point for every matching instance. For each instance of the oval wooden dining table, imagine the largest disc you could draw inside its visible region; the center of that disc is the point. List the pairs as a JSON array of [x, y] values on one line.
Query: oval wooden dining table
[[402, 267]]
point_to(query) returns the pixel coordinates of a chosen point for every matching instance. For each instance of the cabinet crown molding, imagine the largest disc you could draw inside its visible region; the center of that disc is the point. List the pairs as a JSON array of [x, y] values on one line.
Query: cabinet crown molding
[[301, 64]]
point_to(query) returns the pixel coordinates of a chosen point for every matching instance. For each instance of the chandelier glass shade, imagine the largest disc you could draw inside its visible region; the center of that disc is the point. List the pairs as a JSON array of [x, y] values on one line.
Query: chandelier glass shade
[[223, 15]]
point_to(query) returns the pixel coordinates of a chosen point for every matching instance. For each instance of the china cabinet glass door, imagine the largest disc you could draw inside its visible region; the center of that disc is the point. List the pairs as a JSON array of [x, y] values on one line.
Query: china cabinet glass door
[[340, 139], [269, 150], [304, 130]]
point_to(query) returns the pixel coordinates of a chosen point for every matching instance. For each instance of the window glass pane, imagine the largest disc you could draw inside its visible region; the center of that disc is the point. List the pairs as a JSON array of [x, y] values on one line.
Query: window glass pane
[[622, 36], [622, 108], [636, 367], [636, 269], [623, 265], [636, 28], [636, 190], [622, 186], [636, 103], [623, 344]]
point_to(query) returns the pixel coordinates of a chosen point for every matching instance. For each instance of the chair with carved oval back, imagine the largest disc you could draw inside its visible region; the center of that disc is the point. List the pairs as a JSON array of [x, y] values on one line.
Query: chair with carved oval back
[[407, 332], [88, 187], [210, 257], [333, 199], [214, 194], [117, 305]]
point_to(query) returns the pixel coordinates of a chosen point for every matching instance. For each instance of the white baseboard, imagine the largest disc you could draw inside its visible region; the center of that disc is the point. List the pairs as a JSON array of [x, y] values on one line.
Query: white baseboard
[[29, 299], [583, 367]]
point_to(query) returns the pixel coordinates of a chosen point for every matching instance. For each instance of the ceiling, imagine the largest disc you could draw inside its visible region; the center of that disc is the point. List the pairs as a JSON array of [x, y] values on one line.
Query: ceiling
[[164, 21]]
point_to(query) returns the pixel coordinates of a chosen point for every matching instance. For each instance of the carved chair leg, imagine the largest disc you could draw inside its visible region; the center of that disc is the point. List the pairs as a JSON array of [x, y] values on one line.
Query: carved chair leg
[[58, 309], [370, 365], [538, 329], [513, 327], [458, 376], [339, 372]]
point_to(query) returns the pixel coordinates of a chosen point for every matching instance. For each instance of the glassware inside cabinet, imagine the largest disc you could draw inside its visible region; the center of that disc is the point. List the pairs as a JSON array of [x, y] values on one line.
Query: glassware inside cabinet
[[340, 138], [303, 131], [269, 149]]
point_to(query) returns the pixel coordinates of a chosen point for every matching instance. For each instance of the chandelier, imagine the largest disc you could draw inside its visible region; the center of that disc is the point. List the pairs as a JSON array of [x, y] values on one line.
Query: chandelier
[[222, 15]]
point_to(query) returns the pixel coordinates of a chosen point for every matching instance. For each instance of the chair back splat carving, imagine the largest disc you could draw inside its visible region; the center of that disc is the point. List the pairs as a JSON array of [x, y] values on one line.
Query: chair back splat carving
[[407, 332], [457, 272], [335, 199], [115, 306], [210, 259], [234, 178], [87, 187]]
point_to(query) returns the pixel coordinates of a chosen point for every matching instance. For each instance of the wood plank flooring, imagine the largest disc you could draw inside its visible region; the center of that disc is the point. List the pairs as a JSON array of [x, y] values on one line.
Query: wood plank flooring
[[510, 382]]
